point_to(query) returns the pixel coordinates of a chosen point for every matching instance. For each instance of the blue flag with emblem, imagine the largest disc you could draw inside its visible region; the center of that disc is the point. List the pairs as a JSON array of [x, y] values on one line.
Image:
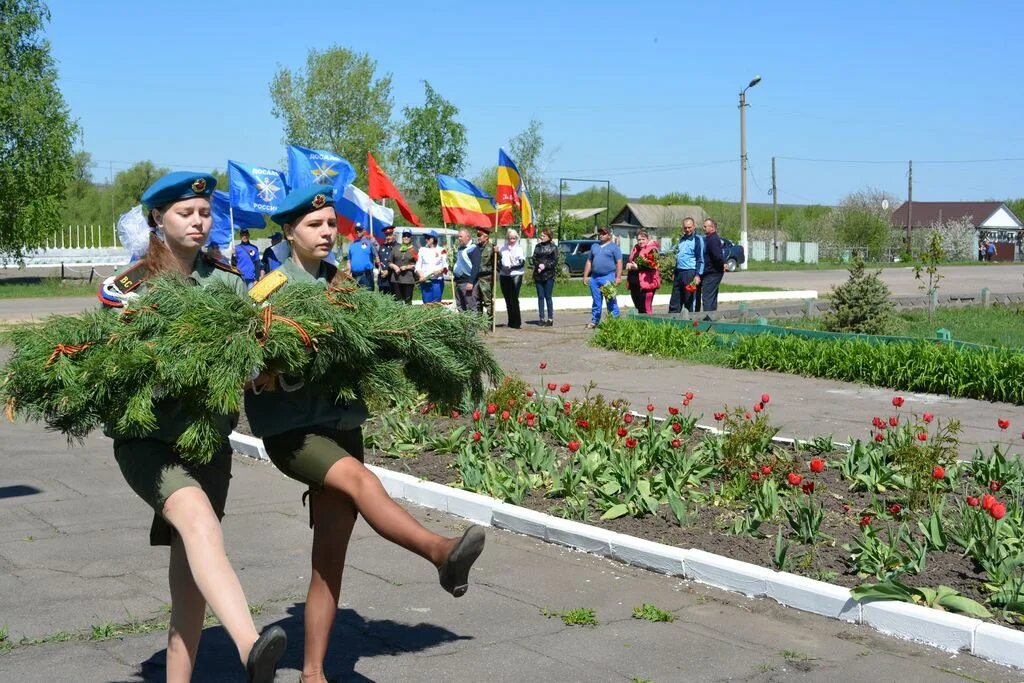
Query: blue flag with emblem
[[220, 205], [318, 167], [255, 188]]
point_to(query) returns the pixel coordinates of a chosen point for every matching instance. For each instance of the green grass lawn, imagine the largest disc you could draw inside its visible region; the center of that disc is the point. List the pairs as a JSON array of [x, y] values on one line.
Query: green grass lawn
[[20, 288], [994, 326]]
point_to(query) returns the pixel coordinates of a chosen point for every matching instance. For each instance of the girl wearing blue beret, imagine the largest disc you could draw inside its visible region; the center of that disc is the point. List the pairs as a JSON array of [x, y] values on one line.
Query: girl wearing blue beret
[[318, 441], [187, 498]]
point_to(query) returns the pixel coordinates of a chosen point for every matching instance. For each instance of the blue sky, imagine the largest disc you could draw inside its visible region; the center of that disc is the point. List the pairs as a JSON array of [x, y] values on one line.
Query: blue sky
[[643, 94]]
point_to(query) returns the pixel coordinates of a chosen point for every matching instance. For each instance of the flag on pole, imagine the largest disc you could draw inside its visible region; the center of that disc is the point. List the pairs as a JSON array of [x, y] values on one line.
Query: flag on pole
[[220, 209], [512, 191], [381, 187], [463, 203], [254, 188], [318, 167], [355, 207]]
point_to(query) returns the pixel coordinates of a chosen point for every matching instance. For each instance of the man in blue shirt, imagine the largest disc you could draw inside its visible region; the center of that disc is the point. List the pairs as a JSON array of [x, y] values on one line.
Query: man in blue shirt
[[362, 254], [246, 258], [270, 261], [689, 268], [603, 265]]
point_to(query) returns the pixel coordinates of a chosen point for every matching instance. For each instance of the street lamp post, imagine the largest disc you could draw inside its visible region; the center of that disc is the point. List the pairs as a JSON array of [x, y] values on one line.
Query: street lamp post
[[743, 170]]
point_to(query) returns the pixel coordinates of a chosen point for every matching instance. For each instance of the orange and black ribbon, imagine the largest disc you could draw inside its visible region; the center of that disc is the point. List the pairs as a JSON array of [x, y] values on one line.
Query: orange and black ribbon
[[66, 350]]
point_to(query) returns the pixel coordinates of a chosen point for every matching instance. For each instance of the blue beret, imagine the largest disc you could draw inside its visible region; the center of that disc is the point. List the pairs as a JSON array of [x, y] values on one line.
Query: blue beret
[[178, 185], [301, 201], [432, 233]]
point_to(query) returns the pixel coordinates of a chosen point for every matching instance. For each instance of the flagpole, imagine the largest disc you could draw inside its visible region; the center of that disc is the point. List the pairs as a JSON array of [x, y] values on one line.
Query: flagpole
[[231, 220], [494, 270]]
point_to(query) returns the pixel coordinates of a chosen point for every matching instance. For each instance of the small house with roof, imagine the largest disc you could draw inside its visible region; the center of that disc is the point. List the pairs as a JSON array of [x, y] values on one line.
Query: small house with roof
[[659, 220], [992, 220]]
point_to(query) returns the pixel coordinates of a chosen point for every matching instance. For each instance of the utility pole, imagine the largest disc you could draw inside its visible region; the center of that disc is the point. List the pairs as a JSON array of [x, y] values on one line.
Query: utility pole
[[775, 216], [743, 169], [910, 204]]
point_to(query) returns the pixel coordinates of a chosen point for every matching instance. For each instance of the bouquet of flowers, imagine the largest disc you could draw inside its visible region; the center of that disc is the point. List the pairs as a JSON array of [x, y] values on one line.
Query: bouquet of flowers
[[691, 286], [608, 291], [646, 262]]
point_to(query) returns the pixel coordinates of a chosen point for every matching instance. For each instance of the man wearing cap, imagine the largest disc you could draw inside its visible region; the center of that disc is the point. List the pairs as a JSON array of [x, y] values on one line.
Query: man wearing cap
[[384, 260], [246, 258], [270, 260], [362, 254], [466, 272], [603, 266], [403, 268], [485, 277]]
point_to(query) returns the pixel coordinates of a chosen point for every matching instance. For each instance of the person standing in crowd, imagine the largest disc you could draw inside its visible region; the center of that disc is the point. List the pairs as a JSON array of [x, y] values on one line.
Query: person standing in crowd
[[642, 274], [981, 248], [689, 269], [188, 497], [603, 266], [545, 270], [990, 251], [362, 255], [511, 260], [246, 258], [485, 278], [466, 272], [431, 265], [384, 253], [714, 266], [403, 268], [270, 261], [317, 440]]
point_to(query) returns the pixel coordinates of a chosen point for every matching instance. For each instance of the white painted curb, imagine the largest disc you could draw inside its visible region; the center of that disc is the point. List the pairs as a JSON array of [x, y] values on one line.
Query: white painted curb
[[950, 632]]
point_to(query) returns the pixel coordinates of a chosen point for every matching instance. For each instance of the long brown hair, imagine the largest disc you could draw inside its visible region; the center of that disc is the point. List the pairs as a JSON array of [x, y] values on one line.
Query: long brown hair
[[158, 258]]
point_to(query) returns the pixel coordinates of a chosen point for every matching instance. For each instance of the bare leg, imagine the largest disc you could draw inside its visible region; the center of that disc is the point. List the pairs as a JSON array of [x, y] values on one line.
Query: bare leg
[[188, 510], [187, 610], [334, 516], [388, 518]]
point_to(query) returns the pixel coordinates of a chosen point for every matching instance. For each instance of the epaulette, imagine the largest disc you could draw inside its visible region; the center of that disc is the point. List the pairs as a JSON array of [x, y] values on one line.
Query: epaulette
[[117, 287], [220, 265], [267, 285]]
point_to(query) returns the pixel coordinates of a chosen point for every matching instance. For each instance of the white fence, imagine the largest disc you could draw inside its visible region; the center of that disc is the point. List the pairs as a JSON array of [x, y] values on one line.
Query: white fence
[[83, 237], [791, 252]]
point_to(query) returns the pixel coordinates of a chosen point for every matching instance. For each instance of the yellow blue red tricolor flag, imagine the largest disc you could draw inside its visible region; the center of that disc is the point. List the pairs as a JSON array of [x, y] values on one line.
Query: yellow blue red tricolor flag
[[512, 190], [463, 203]]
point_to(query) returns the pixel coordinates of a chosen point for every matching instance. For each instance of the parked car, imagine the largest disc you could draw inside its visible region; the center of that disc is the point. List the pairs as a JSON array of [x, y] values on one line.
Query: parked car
[[734, 255], [574, 254]]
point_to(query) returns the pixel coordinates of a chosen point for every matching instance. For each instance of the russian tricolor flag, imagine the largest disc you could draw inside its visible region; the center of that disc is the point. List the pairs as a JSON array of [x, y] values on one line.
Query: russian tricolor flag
[[355, 207]]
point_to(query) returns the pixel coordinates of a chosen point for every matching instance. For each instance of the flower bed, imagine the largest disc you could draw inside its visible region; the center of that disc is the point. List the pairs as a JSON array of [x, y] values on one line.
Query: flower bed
[[895, 516]]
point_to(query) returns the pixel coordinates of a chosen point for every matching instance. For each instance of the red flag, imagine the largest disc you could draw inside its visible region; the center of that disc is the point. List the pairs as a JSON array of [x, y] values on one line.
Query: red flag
[[381, 187]]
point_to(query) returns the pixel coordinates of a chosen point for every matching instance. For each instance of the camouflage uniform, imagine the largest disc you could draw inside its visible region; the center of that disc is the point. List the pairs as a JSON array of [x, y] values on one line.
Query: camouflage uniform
[[485, 282]]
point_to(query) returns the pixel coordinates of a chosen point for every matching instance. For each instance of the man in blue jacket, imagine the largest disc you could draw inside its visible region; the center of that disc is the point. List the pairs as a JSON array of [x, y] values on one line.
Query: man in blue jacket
[[246, 258], [362, 255], [689, 268]]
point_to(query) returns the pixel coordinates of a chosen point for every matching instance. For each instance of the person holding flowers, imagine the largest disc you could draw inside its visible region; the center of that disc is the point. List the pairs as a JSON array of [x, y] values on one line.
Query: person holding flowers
[[642, 274], [689, 269], [602, 272], [317, 440]]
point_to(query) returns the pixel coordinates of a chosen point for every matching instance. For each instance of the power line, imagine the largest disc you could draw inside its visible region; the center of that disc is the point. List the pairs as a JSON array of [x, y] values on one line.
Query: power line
[[904, 161], [626, 170]]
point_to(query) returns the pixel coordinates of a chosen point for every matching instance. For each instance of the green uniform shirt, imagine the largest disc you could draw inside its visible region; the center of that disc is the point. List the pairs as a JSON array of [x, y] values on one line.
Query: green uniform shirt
[[278, 411], [171, 417]]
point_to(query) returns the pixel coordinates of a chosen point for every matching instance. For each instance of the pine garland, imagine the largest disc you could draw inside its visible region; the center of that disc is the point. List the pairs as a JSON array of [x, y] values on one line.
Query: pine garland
[[199, 345]]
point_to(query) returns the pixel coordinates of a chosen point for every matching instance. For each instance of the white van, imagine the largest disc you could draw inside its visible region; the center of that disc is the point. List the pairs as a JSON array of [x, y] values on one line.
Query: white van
[[446, 237]]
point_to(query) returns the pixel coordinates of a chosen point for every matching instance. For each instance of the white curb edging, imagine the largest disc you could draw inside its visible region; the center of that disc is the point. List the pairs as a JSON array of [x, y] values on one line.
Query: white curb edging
[[950, 632]]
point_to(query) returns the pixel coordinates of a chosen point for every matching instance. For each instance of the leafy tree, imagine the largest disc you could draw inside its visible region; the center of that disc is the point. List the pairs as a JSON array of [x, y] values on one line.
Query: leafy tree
[[526, 149], [37, 132], [861, 304], [926, 270], [130, 183], [431, 141], [337, 103]]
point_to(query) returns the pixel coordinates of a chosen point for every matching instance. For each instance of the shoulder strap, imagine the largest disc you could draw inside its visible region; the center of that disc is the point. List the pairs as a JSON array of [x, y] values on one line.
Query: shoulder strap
[[117, 287], [219, 265]]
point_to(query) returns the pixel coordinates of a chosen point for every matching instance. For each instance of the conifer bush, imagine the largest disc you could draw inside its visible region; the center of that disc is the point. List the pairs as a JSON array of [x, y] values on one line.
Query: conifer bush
[[861, 304]]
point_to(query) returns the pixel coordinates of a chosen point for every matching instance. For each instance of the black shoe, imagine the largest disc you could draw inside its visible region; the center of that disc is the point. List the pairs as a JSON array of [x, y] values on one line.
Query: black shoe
[[454, 571], [550, 323], [267, 649]]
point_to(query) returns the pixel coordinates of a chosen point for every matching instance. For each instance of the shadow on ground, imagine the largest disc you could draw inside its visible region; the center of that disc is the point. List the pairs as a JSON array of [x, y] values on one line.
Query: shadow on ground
[[353, 638]]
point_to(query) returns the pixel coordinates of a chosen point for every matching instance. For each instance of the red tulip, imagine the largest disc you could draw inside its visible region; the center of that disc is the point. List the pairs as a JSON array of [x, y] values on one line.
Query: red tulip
[[817, 465], [846, 508], [879, 437], [477, 436], [582, 424], [766, 469], [511, 402], [573, 446], [1003, 424], [894, 421], [696, 323], [650, 407], [676, 443], [927, 417], [794, 479], [865, 521], [567, 406], [529, 393], [476, 414], [628, 418], [719, 417], [491, 409], [895, 509], [987, 501], [686, 401], [922, 436], [758, 407], [505, 415], [630, 442], [543, 365], [938, 472], [756, 476], [994, 486], [565, 388], [455, 415], [808, 487], [530, 416], [998, 511], [688, 396], [676, 427], [897, 401], [552, 386], [672, 410], [622, 431], [973, 501], [765, 398]]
